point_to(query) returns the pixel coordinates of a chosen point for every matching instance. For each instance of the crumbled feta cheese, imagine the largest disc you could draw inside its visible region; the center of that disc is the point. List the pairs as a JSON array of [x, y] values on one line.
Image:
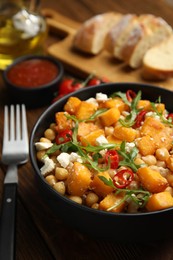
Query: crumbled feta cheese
[[42, 145], [101, 140], [92, 101], [64, 159], [152, 114], [74, 157], [129, 146], [103, 152], [48, 166], [101, 97]]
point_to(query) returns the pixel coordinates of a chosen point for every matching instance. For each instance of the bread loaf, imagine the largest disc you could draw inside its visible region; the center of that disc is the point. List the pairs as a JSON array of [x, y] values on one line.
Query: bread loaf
[[158, 61], [130, 38], [115, 35], [91, 35], [139, 31], [158, 31]]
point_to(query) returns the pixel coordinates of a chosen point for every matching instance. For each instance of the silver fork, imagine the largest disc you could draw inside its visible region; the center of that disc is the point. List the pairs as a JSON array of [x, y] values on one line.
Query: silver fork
[[14, 152]]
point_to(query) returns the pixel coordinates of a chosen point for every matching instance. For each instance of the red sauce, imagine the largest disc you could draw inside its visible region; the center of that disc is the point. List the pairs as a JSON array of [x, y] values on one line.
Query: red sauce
[[33, 73]]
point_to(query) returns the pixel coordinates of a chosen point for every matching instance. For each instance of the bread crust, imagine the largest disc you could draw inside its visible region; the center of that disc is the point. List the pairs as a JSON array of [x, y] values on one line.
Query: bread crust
[[158, 61], [91, 35]]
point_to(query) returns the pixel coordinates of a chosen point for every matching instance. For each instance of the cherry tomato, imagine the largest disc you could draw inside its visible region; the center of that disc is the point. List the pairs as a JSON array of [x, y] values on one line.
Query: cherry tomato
[[64, 137], [123, 178], [130, 94], [69, 85], [96, 81], [170, 116], [113, 157], [140, 118]]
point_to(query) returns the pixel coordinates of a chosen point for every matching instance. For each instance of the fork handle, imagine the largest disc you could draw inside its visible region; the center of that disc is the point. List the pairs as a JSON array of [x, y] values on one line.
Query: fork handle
[[7, 222]]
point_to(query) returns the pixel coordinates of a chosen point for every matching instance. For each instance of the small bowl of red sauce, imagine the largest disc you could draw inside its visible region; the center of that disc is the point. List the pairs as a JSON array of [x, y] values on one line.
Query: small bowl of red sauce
[[33, 80]]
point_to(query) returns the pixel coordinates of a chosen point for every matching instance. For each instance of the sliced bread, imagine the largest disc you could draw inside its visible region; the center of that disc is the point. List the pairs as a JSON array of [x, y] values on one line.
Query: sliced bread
[[158, 61], [158, 31], [138, 32], [115, 35], [91, 35]]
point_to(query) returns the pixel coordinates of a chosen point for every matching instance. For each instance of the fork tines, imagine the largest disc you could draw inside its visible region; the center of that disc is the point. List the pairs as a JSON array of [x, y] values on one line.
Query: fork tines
[[15, 131]]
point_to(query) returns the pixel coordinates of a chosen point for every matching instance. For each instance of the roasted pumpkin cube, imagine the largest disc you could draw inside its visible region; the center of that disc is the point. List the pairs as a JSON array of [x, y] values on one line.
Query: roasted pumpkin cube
[[112, 201], [160, 107], [152, 180], [114, 102], [78, 180], [98, 185], [146, 145], [85, 128], [72, 105], [144, 105], [159, 201], [125, 133], [110, 117], [151, 126], [91, 137], [85, 110], [113, 140], [161, 135], [62, 122]]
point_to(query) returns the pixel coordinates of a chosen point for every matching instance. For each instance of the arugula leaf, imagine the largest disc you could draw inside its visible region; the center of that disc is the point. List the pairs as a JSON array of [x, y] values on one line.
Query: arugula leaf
[[128, 158], [108, 182], [130, 119], [122, 96], [140, 196], [162, 118], [97, 113]]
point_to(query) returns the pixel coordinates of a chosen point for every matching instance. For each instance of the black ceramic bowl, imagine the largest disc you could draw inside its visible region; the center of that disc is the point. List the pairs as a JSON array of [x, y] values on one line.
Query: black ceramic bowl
[[33, 80], [117, 226]]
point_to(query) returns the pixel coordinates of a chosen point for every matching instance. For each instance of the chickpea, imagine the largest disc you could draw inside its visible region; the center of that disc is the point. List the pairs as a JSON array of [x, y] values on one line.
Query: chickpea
[[44, 140], [162, 154], [161, 164], [60, 187], [61, 173], [169, 162], [76, 199], [169, 178], [49, 134], [91, 199], [139, 161], [95, 206], [52, 126], [149, 159], [51, 180], [40, 154]]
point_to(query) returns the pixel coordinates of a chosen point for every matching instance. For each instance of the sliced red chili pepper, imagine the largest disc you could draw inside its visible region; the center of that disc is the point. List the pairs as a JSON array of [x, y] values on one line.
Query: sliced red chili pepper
[[64, 137], [130, 94], [113, 157], [140, 118], [123, 178], [170, 116]]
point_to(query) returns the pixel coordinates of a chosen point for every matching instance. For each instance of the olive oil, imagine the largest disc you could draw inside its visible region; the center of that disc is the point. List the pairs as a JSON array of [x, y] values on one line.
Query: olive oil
[[21, 33]]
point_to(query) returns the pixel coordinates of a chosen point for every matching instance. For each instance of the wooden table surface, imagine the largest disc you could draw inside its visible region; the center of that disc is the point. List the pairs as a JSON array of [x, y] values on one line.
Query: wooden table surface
[[40, 234]]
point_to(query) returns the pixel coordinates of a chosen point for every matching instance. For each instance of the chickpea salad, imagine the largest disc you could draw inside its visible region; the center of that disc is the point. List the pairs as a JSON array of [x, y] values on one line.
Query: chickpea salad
[[111, 153]]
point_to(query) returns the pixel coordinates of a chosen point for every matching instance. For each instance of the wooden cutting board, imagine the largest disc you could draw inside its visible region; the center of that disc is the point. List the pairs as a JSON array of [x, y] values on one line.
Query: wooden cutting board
[[81, 64]]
